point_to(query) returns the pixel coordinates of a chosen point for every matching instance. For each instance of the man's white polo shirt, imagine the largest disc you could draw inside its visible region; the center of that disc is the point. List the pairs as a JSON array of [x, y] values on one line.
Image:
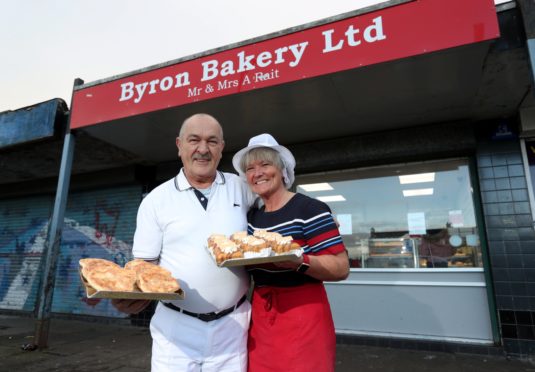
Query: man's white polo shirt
[[173, 226]]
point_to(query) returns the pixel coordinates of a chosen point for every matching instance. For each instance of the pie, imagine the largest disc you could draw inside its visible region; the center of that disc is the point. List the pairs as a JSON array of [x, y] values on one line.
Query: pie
[[104, 275], [141, 265], [151, 277], [154, 281], [88, 263], [110, 278]]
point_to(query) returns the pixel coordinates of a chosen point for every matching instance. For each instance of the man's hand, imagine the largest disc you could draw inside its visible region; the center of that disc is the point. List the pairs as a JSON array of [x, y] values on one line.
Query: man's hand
[[130, 306]]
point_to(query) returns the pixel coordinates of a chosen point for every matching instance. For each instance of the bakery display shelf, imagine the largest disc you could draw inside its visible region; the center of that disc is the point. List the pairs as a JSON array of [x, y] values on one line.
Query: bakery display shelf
[[394, 252]]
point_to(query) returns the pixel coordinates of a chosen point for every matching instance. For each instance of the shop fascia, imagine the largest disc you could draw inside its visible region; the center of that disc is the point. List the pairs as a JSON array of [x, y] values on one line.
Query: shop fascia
[[244, 62]]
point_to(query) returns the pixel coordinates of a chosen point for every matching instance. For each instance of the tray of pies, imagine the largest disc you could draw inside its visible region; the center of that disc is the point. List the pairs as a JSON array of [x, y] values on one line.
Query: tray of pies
[[241, 249], [138, 280]]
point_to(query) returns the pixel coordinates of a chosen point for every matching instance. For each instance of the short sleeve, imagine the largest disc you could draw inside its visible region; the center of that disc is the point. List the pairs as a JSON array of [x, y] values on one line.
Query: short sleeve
[[321, 231], [149, 235]]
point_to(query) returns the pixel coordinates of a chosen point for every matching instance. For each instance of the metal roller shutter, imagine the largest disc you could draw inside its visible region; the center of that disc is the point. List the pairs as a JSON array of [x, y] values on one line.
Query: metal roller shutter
[[23, 231], [99, 224]]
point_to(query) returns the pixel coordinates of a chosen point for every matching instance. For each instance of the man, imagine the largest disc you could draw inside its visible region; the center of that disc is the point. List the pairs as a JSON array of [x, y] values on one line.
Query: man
[[207, 331]]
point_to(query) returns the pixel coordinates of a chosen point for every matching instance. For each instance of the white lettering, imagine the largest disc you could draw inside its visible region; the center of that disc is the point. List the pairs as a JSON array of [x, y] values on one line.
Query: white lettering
[[279, 52], [263, 59], [127, 91], [152, 84], [166, 83], [371, 34], [245, 62], [297, 50], [140, 89], [182, 79], [195, 91], [329, 47], [130, 90], [227, 68], [378, 28], [263, 76], [350, 34], [225, 84], [209, 70]]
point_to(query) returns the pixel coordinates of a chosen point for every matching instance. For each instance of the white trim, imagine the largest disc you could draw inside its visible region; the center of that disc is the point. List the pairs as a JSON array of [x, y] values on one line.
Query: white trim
[[421, 270], [415, 337], [410, 283], [527, 175]]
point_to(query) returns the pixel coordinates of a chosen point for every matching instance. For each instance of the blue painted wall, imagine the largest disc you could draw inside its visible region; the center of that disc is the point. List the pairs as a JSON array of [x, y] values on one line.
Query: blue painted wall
[[30, 123]]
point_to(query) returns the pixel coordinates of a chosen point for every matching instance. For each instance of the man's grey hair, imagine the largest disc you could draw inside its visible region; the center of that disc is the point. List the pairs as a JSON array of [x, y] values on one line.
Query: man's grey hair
[[199, 115]]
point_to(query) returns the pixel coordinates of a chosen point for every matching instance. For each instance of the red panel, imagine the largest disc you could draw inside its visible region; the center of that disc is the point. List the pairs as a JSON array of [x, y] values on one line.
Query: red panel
[[401, 31]]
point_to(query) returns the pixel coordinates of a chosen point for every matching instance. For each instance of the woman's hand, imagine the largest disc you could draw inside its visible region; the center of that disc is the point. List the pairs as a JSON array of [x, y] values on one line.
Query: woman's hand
[[326, 267], [290, 264]]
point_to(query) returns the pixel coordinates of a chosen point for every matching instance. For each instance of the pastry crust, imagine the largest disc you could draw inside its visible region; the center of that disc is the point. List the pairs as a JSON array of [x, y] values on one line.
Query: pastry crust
[[141, 265], [151, 277], [104, 275], [155, 281], [223, 248], [110, 278], [87, 263]]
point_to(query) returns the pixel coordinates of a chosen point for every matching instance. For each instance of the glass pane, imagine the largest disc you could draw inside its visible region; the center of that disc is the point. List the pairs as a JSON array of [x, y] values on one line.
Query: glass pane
[[406, 216]]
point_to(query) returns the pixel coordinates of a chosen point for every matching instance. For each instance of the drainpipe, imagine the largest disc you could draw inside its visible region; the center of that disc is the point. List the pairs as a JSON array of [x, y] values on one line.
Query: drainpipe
[[53, 242]]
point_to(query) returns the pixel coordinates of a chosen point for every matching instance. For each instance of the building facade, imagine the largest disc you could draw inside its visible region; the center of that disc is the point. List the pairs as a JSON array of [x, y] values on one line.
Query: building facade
[[419, 136]]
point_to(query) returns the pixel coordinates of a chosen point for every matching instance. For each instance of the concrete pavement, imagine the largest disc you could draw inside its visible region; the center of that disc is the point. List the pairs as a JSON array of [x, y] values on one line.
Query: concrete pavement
[[77, 346]]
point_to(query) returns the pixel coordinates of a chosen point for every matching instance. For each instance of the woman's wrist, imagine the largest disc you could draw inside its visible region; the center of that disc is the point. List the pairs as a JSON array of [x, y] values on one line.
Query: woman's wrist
[[304, 265]]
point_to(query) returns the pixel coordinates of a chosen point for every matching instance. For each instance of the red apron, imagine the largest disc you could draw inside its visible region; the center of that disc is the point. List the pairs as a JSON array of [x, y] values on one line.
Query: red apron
[[291, 330]]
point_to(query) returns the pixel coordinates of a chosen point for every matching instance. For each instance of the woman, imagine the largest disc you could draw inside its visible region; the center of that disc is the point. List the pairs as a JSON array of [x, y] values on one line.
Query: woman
[[292, 327]]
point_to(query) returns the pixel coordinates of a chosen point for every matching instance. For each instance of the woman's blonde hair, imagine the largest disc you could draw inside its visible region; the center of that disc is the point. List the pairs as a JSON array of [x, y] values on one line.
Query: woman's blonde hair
[[262, 154]]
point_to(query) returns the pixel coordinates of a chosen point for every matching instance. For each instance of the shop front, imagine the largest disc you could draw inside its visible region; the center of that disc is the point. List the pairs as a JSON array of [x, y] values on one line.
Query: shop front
[[413, 232], [395, 114], [406, 81]]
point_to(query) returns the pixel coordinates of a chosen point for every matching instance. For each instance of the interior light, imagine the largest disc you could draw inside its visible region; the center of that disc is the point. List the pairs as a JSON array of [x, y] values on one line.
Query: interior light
[[331, 198], [418, 192], [417, 178], [316, 187]]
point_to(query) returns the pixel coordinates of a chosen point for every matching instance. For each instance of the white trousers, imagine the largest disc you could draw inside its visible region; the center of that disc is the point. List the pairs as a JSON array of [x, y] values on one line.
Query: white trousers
[[181, 343]]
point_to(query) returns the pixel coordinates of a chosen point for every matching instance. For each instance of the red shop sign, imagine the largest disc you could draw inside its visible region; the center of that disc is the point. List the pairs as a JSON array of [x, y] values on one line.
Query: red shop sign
[[413, 28]]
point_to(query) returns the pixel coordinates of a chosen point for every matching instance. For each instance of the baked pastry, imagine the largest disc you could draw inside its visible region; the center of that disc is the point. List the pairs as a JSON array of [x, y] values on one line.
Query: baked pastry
[[252, 244], [87, 263], [237, 237], [151, 277], [141, 265], [223, 248], [104, 277], [277, 242], [156, 281], [283, 244]]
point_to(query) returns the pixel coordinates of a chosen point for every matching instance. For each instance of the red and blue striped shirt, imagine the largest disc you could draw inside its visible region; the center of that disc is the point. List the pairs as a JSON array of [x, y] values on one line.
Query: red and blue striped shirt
[[311, 225]]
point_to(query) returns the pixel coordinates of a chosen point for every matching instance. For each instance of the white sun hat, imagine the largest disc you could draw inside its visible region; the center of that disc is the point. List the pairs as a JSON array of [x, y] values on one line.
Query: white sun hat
[[267, 140]]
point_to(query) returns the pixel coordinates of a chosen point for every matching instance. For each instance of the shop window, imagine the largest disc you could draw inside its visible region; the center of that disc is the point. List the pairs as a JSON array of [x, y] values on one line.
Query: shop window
[[404, 216]]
